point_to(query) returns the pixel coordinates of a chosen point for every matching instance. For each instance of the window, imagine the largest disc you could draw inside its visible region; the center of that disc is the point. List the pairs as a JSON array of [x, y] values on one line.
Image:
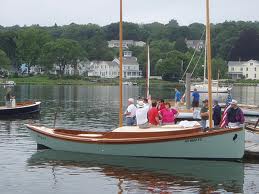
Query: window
[[255, 68], [247, 69], [232, 69], [246, 75], [251, 64], [255, 75], [241, 69]]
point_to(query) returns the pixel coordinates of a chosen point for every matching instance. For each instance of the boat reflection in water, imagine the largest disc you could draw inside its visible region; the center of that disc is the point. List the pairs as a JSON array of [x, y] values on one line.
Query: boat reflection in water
[[150, 174]]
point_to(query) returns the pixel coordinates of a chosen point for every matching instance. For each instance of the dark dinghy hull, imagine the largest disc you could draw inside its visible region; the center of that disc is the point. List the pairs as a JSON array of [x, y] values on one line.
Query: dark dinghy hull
[[21, 109]]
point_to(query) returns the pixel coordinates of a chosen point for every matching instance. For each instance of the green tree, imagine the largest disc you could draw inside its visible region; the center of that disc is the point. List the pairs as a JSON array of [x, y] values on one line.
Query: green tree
[[180, 45], [62, 52], [5, 62], [170, 67], [29, 45]]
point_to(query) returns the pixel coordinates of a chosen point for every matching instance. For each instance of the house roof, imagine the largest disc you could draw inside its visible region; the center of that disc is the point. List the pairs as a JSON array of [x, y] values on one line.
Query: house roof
[[241, 63], [127, 61]]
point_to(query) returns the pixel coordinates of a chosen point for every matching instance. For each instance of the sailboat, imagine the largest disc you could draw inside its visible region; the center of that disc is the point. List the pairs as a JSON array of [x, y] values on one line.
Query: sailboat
[[203, 87], [169, 141]]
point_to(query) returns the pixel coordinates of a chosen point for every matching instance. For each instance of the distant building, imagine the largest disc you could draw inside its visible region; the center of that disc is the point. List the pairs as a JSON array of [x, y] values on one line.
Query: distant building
[[195, 44], [103, 69], [35, 69], [125, 43], [110, 69], [243, 69]]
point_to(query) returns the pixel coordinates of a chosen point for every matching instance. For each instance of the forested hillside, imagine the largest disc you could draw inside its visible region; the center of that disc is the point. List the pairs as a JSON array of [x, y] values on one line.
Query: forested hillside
[[69, 44]]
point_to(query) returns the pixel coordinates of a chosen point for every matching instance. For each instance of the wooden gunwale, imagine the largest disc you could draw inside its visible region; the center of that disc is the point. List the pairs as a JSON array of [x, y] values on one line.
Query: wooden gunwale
[[20, 105], [127, 134], [136, 140]]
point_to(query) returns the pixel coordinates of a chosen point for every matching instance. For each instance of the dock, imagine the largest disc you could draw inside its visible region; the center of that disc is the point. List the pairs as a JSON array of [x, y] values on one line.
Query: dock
[[251, 150]]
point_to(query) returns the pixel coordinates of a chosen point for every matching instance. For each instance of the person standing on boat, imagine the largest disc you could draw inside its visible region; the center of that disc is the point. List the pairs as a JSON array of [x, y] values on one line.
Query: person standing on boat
[[196, 98], [204, 113], [130, 113], [235, 116], [216, 113], [8, 97], [168, 114], [177, 97], [153, 116], [141, 115]]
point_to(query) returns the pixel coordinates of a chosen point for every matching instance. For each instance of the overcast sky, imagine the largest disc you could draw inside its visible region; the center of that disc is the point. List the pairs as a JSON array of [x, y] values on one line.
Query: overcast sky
[[102, 12]]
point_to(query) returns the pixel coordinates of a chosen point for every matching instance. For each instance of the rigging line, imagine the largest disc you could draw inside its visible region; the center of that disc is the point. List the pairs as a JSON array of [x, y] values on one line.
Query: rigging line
[[193, 54], [197, 62]]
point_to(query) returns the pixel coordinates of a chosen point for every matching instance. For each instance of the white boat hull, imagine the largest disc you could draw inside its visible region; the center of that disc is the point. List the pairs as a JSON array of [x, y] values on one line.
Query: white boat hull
[[229, 145], [204, 89]]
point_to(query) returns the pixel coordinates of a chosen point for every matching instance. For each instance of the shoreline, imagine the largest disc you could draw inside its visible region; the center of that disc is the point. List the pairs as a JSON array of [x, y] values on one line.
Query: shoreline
[[45, 80]]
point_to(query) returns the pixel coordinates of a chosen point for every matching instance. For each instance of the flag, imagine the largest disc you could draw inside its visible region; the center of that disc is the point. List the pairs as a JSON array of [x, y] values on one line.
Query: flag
[[223, 122]]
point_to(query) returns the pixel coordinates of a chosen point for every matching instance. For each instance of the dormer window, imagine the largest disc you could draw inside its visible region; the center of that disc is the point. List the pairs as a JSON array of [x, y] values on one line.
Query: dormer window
[[251, 64]]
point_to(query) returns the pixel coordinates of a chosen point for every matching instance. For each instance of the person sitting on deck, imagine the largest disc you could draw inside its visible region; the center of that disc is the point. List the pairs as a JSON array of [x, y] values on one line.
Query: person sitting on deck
[[196, 98], [168, 114], [153, 116], [204, 113], [177, 97], [216, 113], [161, 105], [235, 116], [141, 115], [130, 113]]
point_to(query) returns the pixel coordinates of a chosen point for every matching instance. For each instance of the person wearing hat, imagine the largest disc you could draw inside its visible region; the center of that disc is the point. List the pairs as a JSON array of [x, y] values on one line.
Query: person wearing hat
[[142, 115], [235, 116], [204, 113], [130, 113], [216, 113]]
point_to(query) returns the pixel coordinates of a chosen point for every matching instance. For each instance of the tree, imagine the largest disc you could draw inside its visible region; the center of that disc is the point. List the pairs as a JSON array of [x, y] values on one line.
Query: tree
[[29, 45], [62, 52], [247, 46], [170, 67], [4, 60], [180, 45], [8, 45]]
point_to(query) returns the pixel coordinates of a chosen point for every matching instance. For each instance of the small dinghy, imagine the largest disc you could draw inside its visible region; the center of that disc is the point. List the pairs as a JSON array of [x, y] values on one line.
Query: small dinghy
[[19, 109]]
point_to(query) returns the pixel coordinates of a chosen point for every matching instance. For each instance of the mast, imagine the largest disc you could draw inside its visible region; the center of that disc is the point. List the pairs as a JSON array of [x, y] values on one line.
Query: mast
[[147, 71], [209, 61], [205, 61], [121, 59]]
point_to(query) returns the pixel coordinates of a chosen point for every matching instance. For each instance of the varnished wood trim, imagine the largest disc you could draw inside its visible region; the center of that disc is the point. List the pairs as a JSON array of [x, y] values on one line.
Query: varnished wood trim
[[138, 140]]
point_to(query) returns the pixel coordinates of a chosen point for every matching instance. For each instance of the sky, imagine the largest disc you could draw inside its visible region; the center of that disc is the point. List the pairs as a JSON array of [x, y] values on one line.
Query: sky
[[103, 12]]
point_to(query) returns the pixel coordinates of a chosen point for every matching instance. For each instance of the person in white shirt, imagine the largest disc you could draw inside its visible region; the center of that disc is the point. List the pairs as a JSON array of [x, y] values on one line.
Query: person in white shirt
[[141, 115], [130, 113]]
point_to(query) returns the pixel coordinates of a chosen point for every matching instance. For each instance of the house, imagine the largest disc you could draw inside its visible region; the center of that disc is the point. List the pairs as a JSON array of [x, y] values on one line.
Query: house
[[195, 44], [103, 69], [125, 44], [243, 69], [130, 66], [111, 69], [35, 69]]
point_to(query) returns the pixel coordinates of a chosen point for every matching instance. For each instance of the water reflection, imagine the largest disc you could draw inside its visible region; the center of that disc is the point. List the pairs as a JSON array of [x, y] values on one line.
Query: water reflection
[[151, 174]]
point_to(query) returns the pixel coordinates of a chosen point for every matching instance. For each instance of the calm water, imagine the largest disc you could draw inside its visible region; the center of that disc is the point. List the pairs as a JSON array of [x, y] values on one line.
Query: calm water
[[26, 170]]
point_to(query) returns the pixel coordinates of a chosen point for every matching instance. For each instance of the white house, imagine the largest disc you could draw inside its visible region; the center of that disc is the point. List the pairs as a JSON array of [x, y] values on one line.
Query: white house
[[82, 69], [104, 69], [130, 66], [125, 43], [243, 69], [111, 69], [195, 44]]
